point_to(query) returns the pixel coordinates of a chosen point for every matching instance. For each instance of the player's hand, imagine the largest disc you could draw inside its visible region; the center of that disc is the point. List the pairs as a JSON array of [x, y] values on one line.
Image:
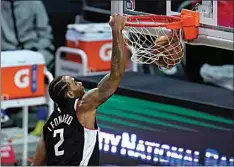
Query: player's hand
[[117, 22]]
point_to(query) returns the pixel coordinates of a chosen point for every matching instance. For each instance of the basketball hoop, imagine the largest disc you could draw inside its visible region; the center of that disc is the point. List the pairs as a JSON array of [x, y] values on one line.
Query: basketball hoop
[[159, 39]]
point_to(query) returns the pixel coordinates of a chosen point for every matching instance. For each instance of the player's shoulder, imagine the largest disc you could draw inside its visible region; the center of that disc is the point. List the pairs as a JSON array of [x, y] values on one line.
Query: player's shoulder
[[51, 116], [89, 95]]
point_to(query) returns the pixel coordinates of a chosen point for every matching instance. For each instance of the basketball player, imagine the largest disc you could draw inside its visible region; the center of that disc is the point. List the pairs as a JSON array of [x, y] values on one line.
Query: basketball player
[[70, 136]]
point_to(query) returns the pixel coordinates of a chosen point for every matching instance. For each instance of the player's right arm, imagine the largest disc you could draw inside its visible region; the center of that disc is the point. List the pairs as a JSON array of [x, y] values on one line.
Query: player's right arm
[[108, 85]]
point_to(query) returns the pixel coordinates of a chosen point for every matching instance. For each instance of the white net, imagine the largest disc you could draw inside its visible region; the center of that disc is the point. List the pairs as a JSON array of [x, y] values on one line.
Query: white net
[[157, 45]]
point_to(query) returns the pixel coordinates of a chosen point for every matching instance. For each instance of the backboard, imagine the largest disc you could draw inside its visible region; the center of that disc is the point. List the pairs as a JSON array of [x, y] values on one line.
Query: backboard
[[216, 17]]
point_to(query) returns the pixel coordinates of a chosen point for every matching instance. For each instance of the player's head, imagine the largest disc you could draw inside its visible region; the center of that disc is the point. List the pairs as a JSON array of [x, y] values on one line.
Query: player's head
[[65, 87]]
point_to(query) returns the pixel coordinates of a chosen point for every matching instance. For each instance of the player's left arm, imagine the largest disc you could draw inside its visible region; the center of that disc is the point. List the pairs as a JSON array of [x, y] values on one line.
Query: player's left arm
[[39, 158]]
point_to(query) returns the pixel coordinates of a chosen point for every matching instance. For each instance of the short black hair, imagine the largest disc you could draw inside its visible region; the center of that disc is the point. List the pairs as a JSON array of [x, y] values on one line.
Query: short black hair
[[58, 89]]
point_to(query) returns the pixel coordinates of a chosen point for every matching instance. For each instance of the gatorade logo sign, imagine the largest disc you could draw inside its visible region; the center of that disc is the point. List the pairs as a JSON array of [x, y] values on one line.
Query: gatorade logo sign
[[105, 52], [22, 78]]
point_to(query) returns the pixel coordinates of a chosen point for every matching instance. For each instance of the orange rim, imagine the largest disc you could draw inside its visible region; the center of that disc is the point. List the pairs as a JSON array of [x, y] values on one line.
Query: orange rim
[[169, 22]]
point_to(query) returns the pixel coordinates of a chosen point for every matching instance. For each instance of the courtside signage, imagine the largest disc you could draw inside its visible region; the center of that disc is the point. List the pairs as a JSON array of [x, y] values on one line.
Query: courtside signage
[[129, 145]]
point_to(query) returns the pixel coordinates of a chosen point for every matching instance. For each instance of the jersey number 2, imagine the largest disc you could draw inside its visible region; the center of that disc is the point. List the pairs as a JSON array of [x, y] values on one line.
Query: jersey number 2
[[60, 142]]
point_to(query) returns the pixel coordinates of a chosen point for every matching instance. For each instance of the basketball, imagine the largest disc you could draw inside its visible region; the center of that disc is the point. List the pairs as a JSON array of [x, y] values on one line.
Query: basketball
[[170, 51]]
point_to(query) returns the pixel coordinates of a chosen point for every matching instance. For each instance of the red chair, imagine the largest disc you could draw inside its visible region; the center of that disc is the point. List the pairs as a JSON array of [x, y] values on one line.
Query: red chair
[[7, 154]]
